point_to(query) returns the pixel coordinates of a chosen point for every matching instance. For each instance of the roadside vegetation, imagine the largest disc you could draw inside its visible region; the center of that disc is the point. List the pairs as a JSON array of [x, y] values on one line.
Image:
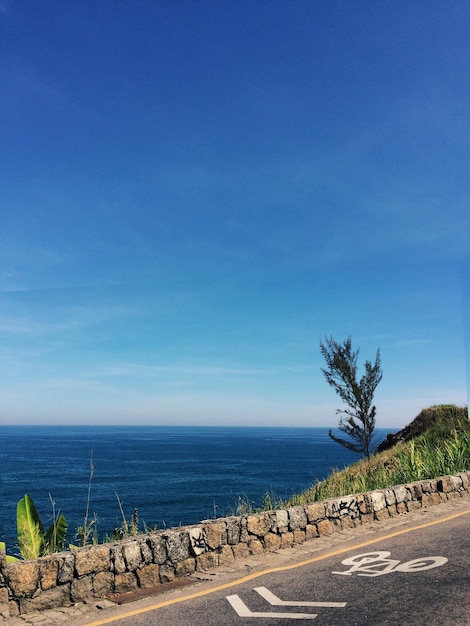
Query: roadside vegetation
[[436, 443], [442, 448]]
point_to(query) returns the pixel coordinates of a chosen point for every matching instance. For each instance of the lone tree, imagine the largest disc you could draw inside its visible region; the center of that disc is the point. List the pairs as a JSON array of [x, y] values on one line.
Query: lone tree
[[358, 420]]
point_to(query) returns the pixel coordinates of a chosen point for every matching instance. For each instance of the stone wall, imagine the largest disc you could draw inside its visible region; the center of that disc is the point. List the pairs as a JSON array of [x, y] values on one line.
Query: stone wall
[[146, 561]]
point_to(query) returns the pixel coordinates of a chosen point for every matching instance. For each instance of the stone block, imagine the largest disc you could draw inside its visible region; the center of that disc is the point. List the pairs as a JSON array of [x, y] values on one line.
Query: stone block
[[444, 485], [197, 540], [332, 508], [299, 535], [401, 508], [315, 512], [92, 559], [367, 518], [158, 545], [287, 540], [103, 583], [311, 532], [233, 529], [66, 569], [132, 555], [206, 561], [23, 578], [364, 503], [177, 546], [13, 609], [258, 525], [167, 573], [82, 589], [125, 582], [148, 576], [4, 608], [346, 522], [297, 517], [339, 507], [465, 480], [48, 572], [382, 515], [401, 494], [3, 595], [244, 534], [117, 559], [377, 500], [225, 555], [426, 499], [416, 491], [426, 486], [186, 568], [390, 497], [215, 535], [147, 553], [273, 519], [50, 599], [240, 550], [325, 527], [431, 499], [255, 546], [280, 521], [272, 542]]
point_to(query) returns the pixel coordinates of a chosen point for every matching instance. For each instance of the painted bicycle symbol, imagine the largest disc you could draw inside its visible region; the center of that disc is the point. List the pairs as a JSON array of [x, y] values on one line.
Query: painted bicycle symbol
[[378, 564]]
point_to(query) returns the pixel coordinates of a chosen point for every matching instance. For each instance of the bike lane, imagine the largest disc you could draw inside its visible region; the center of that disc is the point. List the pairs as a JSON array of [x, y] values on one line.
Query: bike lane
[[418, 576]]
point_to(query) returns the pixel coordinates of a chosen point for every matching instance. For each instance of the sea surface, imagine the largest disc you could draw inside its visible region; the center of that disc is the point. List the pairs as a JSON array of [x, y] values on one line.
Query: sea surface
[[172, 475]]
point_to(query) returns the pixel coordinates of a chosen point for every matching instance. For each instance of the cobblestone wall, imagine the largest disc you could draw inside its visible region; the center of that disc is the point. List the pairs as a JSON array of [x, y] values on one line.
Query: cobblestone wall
[[146, 561]]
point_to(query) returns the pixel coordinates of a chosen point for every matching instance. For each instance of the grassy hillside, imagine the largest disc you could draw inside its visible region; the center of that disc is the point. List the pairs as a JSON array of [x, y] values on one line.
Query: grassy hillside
[[436, 443]]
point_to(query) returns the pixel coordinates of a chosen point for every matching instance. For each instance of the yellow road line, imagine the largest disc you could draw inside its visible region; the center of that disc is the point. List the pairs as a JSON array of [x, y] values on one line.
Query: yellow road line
[[273, 570]]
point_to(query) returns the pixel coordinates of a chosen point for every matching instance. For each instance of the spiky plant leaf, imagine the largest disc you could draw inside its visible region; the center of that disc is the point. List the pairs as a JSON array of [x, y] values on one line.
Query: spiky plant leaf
[[55, 536]]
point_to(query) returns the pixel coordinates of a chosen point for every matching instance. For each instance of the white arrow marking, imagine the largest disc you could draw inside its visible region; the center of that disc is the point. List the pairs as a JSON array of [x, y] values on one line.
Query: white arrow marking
[[243, 611], [275, 601]]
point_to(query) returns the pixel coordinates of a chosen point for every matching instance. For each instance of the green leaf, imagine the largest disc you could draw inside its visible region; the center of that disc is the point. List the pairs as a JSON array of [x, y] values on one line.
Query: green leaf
[[30, 529], [55, 536]]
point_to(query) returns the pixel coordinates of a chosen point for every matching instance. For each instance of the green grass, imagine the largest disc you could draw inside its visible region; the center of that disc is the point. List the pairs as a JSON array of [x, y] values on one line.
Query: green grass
[[443, 449]]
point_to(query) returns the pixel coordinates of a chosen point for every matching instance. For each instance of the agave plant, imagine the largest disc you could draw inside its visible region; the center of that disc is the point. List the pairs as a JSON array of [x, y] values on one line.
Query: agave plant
[[33, 542]]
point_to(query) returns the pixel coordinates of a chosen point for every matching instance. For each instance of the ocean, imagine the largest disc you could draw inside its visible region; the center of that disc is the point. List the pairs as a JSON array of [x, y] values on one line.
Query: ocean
[[172, 475]]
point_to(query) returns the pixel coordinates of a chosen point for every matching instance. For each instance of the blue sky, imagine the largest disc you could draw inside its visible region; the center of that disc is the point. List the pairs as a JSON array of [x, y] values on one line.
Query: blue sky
[[193, 194]]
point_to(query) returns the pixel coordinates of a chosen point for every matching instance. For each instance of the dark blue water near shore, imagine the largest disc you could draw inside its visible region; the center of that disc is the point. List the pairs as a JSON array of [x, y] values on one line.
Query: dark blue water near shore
[[172, 475]]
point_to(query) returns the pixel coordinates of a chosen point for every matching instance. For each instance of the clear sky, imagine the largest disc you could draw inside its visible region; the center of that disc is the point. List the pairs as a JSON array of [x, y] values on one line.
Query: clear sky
[[194, 193]]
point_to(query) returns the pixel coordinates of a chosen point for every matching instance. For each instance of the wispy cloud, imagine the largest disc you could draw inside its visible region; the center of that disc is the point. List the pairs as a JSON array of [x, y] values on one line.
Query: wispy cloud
[[134, 369], [39, 320]]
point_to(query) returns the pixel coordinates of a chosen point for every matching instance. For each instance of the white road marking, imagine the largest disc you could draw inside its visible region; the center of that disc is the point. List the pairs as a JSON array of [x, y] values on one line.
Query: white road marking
[[419, 565], [243, 611], [275, 601], [377, 564]]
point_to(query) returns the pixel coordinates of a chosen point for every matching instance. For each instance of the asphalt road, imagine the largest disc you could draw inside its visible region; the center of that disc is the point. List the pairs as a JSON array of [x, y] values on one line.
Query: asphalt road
[[415, 572]]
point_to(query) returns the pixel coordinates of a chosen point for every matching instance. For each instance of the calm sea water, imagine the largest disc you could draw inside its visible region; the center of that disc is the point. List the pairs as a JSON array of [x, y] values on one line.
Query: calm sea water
[[172, 475]]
